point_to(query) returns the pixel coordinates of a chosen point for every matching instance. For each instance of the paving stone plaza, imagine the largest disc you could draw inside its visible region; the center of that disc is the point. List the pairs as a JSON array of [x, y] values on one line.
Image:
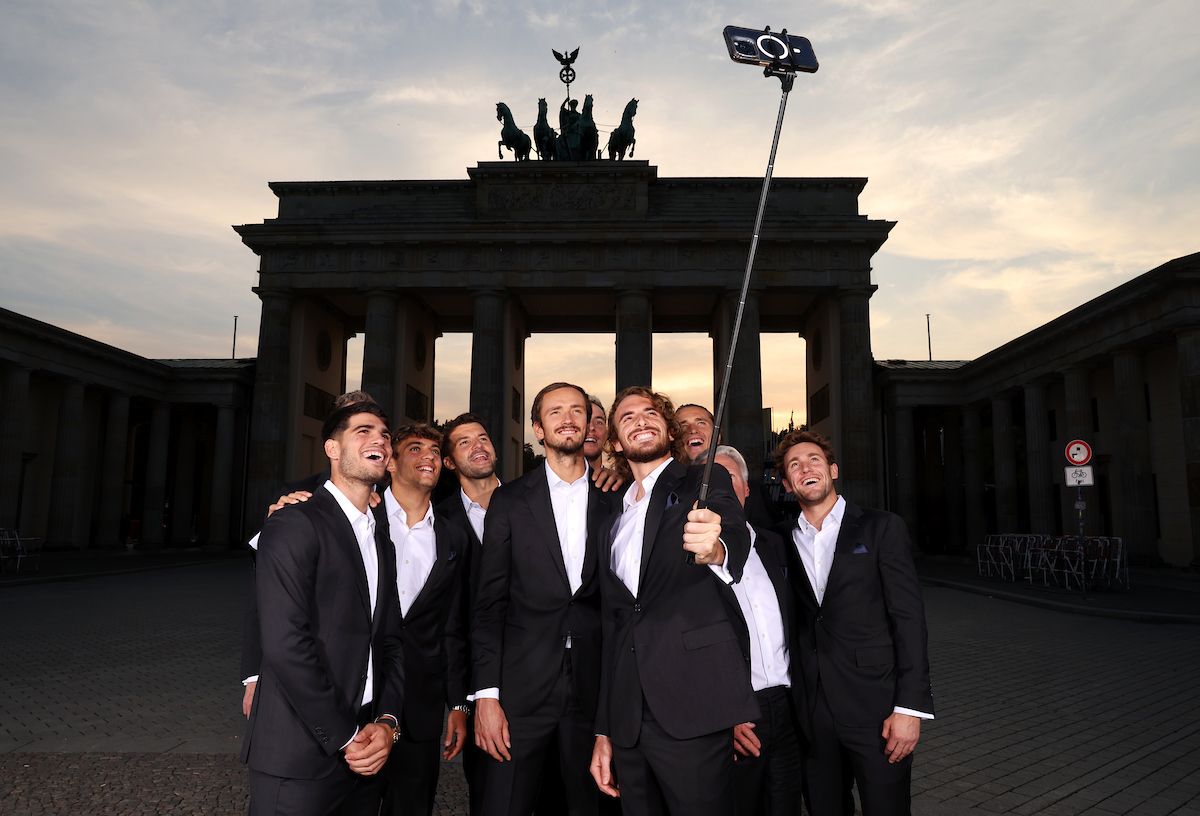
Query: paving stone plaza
[[119, 695]]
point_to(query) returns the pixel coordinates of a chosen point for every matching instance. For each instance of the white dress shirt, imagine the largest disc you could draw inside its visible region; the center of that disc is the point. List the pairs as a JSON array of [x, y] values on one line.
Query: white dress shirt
[[760, 607], [475, 513], [816, 548], [416, 550], [569, 501], [364, 531], [626, 556]]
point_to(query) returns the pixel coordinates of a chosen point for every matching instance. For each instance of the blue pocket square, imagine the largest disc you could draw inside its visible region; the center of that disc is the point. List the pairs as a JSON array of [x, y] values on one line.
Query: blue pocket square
[[861, 549], [672, 500], [450, 556]]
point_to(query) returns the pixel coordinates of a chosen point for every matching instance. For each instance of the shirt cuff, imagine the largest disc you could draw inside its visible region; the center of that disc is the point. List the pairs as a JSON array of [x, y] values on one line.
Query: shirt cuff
[[912, 713], [352, 736], [719, 569], [492, 693], [254, 541], [251, 679]]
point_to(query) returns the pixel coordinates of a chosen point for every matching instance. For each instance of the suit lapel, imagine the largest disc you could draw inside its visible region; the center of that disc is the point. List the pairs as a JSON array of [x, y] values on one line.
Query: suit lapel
[[348, 541], [797, 566], [596, 514], [848, 536], [664, 488], [385, 555], [537, 497], [441, 560]]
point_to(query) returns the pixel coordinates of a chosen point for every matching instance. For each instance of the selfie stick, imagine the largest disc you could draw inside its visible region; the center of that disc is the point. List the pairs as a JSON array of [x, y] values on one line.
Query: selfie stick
[[786, 75]]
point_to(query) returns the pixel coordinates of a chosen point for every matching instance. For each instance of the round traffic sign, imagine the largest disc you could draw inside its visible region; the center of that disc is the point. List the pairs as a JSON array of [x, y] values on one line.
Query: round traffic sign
[[1079, 452]]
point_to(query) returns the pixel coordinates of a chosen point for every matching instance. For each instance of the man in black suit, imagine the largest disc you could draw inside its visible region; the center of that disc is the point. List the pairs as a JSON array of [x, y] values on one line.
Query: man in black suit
[[536, 634], [675, 683], [861, 639], [430, 555], [331, 681], [767, 768]]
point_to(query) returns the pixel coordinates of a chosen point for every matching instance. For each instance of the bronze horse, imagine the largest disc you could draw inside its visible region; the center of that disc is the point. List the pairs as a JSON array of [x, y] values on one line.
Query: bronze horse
[[511, 136], [543, 135], [589, 137], [623, 136]]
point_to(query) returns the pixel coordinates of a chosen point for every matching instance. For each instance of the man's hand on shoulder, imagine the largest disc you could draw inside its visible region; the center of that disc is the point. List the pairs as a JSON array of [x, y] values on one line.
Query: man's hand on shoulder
[[902, 731], [702, 536], [491, 729], [289, 498], [606, 479], [369, 749]]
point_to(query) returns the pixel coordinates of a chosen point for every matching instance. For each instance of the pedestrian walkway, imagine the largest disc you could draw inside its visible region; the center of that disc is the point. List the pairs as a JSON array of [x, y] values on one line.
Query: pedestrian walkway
[[119, 695]]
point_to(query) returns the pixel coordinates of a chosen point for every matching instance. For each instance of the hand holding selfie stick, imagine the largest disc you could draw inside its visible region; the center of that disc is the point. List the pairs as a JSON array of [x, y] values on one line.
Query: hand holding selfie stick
[[781, 56]]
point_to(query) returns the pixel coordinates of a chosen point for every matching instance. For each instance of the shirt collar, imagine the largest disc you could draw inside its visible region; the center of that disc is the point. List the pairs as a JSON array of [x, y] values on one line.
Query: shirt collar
[[394, 510], [555, 481], [835, 515], [647, 483], [468, 502], [353, 514]]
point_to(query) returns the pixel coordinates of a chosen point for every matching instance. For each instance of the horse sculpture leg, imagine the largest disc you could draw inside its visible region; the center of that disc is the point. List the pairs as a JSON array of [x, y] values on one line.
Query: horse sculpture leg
[[500, 148]]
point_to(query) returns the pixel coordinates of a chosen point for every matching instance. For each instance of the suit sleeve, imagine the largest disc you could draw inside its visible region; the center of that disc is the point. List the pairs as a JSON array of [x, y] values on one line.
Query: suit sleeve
[[457, 648], [906, 616], [251, 643], [734, 534], [490, 603], [286, 583], [392, 644]]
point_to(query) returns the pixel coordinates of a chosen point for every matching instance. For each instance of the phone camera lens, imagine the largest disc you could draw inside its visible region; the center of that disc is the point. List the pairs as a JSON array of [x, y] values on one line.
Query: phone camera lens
[[746, 48]]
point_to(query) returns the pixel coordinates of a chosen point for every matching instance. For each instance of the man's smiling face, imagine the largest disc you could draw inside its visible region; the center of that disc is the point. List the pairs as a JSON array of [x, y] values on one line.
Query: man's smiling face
[[416, 463], [808, 474], [697, 425]]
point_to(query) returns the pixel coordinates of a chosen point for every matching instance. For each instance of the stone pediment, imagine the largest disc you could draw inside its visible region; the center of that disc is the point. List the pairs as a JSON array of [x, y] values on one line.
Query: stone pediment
[[562, 191]]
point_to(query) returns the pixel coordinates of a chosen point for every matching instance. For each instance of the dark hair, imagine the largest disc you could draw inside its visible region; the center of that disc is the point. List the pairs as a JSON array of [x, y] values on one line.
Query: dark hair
[[662, 404], [415, 430], [711, 419], [460, 420], [594, 400], [797, 437], [339, 419], [351, 398], [535, 415]]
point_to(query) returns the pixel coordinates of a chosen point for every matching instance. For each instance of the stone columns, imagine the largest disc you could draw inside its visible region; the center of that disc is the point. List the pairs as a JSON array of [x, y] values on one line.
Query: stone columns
[[972, 477], [14, 431], [743, 413], [66, 527], [112, 484], [1133, 500], [903, 467], [218, 524], [1005, 464], [1079, 426], [269, 419], [488, 393], [153, 520], [1187, 344], [1037, 432], [856, 452], [379, 351], [635, 338]]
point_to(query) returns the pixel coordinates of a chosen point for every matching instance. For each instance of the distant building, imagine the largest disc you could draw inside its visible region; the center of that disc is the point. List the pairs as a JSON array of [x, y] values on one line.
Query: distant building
[[972, 447]]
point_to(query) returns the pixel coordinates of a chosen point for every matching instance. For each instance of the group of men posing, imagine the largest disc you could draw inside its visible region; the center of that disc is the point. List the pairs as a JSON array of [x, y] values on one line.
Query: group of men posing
[[602, 643]]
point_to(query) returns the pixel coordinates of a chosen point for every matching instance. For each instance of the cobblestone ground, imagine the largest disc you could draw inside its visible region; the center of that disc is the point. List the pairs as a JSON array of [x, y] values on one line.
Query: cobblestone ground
[[119, 695]]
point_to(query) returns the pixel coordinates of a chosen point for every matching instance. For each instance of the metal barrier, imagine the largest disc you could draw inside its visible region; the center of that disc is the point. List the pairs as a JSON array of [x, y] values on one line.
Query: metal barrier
[[1068, 562]]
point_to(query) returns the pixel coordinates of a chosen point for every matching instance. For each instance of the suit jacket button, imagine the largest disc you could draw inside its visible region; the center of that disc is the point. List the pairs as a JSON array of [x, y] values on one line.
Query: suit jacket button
[[637, 607], [820, 618], [363, 678], [631, 649]]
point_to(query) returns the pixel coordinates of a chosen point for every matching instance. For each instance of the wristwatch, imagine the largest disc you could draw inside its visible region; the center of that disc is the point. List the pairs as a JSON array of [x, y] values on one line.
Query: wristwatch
[[465, 708], [391, 722]]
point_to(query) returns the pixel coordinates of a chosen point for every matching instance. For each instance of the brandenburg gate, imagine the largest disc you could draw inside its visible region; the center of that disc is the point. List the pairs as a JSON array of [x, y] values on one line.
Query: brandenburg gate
[[523, 247]]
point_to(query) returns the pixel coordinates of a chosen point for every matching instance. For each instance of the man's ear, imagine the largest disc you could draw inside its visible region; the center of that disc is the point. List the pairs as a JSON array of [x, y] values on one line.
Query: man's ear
[[332, 449], [539, 432], [447, 463], [833, 472], [391, 465]]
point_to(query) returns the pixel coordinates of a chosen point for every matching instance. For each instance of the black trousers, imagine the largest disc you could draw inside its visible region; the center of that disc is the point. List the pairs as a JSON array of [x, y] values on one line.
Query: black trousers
[[770, 784], [840, 757], [513, 788], [662, 775], [411, 777], [342, 793], [552, 801]]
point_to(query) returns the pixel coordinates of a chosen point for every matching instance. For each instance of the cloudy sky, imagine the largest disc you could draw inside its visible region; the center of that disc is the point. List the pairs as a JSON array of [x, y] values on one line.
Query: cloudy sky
[[1035, 154]]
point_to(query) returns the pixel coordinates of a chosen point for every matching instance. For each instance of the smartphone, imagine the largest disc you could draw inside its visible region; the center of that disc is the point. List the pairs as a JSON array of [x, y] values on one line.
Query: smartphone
[[766, 48]]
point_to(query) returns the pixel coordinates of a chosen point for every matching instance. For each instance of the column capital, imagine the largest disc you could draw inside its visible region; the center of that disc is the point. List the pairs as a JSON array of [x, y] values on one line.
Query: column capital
[[847, 292], [276, 295]]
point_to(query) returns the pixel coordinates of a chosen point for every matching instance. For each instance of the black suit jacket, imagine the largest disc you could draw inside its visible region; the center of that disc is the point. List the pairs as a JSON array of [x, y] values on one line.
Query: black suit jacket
[[674, 647], [866, 643], [524, 608], [317, 630], [434, 632]]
